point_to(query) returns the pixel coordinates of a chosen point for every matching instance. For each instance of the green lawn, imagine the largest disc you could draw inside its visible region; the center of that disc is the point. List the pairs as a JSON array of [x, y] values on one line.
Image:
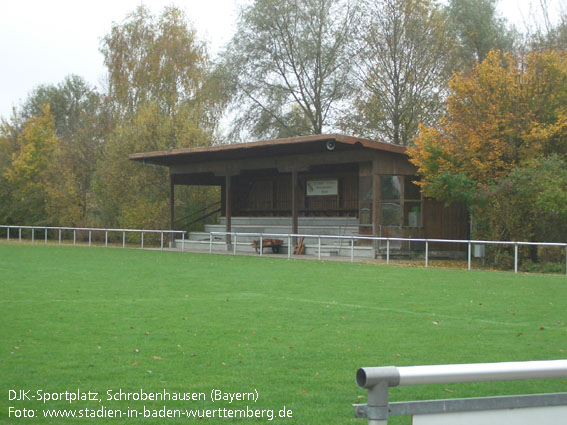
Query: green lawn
[[296, 331]]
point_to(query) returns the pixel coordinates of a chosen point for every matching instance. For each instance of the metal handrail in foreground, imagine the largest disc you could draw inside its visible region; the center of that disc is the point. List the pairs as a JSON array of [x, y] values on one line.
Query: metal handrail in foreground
[[377, 380], [91, 230]]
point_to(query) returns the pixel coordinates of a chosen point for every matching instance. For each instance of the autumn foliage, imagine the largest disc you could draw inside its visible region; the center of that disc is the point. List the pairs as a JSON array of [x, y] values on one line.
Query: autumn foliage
[[505, 113], [502, 147]]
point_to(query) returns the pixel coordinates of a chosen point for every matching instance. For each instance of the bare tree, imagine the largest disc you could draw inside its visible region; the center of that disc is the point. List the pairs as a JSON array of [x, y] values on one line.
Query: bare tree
[[404, 64], [290, 65]]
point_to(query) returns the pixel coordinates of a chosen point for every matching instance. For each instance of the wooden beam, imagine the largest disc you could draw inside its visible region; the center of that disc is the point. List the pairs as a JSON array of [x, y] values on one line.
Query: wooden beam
[[171, 210], [294, 217], [171, 203], [228, 206], [296, 162]]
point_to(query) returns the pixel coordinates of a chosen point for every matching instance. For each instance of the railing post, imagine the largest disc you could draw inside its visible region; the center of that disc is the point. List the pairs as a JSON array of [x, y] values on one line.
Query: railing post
[[161, 244], [515, 257], [20, 233], [106, 238], [90, 237], [388, 251], [289, 247], [261, 244], [378, 399], [123, 239], [8, 234], [46, 235], [60, 236], [33, 235], [210, 243], [426, 253], [74, 237], [235, 242], [319, 249], [183, 242], [469, 255], [142, 240], [352, 249]]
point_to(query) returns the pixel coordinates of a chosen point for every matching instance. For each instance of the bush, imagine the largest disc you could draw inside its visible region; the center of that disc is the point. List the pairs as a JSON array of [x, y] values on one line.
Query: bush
[[550, 254], [504, 261]]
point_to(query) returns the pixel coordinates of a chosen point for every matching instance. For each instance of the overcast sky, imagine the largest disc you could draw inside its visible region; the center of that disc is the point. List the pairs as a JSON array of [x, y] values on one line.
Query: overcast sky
[[42, 41]]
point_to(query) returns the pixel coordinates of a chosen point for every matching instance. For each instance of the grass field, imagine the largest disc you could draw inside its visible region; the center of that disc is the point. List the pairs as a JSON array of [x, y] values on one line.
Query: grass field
[[95, 319]]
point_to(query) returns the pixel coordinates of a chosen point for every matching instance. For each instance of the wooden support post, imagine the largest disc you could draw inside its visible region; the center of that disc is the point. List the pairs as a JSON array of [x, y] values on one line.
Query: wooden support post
[[294, 218], [228, 208], [171, 210]]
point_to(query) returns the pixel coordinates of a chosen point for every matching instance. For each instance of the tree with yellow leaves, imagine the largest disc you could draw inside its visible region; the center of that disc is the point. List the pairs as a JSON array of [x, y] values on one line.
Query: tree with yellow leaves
[[26, 173], [504, 122], [503, 114]]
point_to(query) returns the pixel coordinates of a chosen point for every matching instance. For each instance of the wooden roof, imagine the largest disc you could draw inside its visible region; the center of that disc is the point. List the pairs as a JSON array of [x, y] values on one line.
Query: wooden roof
[[263, 148]]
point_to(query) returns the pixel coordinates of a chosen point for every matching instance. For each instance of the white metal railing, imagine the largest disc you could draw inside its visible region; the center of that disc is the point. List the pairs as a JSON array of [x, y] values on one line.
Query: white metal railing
[[377, 239], [91, 230], [377, 380], [233, 240]]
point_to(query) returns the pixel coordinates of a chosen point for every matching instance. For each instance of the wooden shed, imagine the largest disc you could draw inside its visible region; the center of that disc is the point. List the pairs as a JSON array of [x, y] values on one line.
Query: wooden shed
[[319, 176]]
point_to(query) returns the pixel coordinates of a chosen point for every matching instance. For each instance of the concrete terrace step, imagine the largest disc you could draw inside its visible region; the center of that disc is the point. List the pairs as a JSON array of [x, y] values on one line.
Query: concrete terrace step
[[327, 250], [286, 221], [284, 230]]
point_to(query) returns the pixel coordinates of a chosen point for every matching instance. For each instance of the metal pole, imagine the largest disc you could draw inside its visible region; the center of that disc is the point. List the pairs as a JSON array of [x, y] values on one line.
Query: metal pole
[[32, 234], [387, 251], [261, 244], [45, 235], [90, 236], [20, 233], [210, 243], [378, 399], [352, 249], [8, 237], [369, 377], [142, 241], [235, 242], [59, 236], [516, 257], [183, 242], [161, 246], [319, 249], [469, 255], [123, 239], [426, 253], [74, 237], [289, 246], [106, 238]]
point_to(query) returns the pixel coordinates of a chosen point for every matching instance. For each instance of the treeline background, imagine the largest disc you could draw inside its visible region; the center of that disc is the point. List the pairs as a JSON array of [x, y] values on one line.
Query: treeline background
[[374, 68]]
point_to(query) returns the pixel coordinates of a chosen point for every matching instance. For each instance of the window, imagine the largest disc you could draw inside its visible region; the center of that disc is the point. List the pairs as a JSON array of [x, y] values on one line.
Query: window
[[400, 203], [390, 206], [412, 203]]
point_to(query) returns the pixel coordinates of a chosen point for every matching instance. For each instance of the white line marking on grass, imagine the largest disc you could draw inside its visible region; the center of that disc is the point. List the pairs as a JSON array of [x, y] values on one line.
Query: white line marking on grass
[[396, 310]]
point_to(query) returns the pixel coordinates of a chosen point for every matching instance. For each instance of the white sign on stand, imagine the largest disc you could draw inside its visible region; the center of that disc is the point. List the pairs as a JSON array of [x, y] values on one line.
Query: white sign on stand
[[322, 187]]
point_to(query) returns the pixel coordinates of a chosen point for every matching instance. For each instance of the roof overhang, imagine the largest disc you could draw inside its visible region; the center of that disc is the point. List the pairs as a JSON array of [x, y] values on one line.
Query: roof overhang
[[264, 148]]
